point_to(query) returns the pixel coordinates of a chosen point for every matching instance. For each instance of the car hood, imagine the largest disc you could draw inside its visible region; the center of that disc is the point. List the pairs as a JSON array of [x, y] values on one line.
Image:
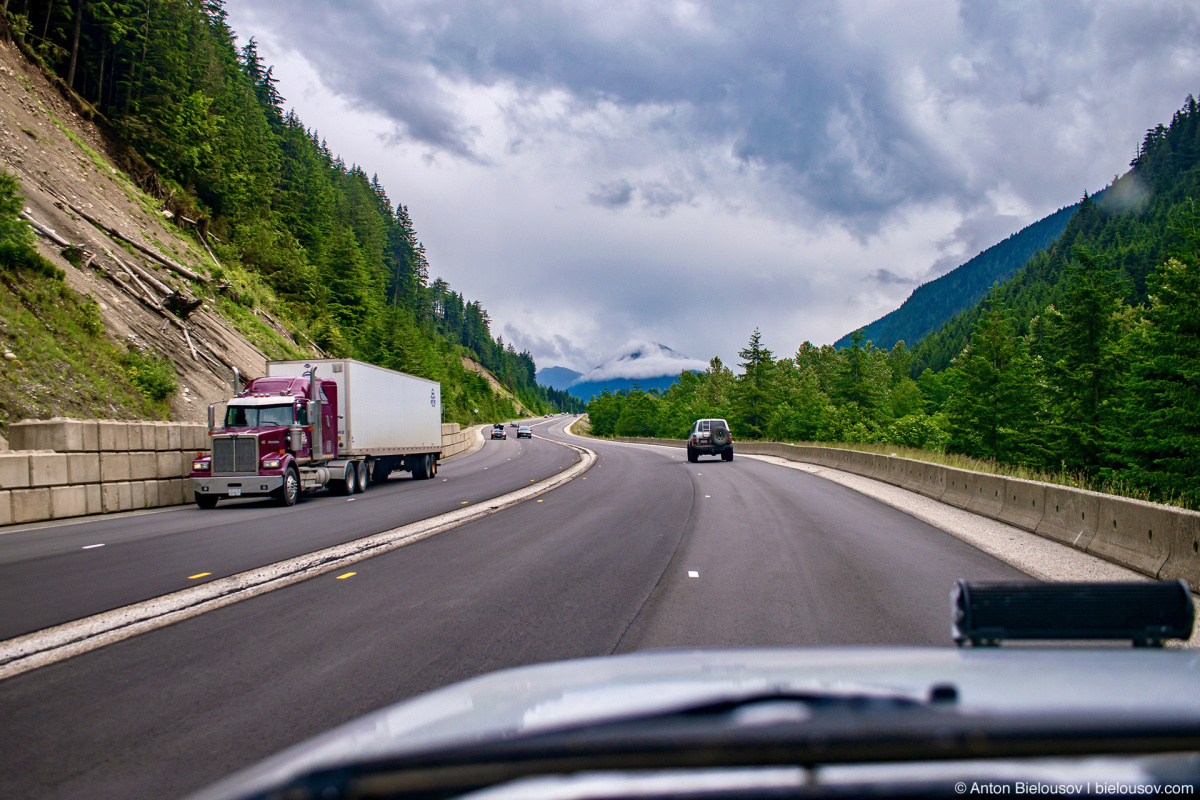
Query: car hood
[[547, 696]]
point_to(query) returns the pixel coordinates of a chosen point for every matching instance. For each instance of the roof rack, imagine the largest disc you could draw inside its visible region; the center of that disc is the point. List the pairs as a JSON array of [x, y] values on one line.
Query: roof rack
[[1144, 613]]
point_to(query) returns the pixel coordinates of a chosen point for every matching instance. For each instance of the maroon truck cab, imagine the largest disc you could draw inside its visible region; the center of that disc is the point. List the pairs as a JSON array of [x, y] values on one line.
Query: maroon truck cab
[[266, 435]]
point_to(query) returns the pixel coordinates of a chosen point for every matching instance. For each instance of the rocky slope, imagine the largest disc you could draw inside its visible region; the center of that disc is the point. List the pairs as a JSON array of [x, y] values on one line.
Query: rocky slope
[[75, 189]]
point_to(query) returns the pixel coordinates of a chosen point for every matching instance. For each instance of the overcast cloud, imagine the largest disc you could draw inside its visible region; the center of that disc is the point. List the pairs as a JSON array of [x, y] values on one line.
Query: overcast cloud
[[683, 172]]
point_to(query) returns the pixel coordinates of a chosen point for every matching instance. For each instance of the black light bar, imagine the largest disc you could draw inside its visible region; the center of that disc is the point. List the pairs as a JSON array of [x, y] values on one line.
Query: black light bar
[[1146, 614]]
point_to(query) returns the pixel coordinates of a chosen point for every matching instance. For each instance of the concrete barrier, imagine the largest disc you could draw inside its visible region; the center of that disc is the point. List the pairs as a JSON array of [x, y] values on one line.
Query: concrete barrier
[[1184, 561], [1070, 516], [959, 491], [1024, 503], [987, 498], [5, 507], [59, 434], [30, 505], [14, 469], [1134, 533]]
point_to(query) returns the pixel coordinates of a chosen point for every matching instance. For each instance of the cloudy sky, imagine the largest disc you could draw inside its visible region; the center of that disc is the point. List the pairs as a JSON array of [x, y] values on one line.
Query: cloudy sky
[[601, 171]]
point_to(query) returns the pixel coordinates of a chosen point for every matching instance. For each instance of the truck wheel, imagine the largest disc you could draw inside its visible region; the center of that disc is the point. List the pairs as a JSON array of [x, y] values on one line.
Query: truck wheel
[[727, 455], [207, 500], [360, 477], [432, 466], [289, 493], [344, 485], [418, 465]]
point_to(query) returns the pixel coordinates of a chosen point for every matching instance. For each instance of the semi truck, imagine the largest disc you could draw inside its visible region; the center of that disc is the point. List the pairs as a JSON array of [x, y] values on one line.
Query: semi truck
[[332, 423]]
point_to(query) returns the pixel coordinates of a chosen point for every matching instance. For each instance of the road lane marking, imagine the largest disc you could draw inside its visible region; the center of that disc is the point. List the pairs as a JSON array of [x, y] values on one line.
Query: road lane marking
[[693, 574], [90, 546], [347, 575], [464, 502], [351, 500], [708, 495], [539, 501], [51, 645], [201, 575]]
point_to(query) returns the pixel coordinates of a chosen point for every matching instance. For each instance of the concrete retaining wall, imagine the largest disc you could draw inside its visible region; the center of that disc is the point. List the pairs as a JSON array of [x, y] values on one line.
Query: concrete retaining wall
[[60, 468], [455, 440], [1156, 540]]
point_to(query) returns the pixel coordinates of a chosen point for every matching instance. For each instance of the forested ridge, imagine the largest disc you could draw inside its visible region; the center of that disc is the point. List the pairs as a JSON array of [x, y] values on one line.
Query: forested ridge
[[205, 130], [932, 304], [1086, 363]]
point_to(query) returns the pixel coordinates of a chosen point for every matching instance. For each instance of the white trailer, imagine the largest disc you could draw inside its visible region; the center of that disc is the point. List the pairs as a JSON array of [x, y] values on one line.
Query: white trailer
[[387, 419]]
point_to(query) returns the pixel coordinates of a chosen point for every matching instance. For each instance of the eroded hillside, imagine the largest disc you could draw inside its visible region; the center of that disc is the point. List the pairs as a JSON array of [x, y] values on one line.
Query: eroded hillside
[[77, 193]]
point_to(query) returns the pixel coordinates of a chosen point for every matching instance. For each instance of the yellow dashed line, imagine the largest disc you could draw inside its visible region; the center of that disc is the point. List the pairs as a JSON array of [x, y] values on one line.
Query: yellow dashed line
[[464, 502], [539, 501], [347, 575], [201, 575]]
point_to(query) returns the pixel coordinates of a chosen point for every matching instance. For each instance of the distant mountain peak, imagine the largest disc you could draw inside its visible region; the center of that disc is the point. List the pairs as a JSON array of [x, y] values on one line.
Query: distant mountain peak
[[640, 359]]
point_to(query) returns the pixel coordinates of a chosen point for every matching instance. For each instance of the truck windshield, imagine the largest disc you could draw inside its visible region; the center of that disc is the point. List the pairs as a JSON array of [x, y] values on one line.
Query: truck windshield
[[257, 416]]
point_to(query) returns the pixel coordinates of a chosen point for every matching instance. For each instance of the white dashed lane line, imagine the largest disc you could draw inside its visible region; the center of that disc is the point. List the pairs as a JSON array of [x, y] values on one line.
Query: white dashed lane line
[[693, 574], [91, 546]]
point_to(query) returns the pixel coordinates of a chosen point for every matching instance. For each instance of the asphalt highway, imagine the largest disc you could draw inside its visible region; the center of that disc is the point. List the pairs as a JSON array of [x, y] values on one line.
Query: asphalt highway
[[50, 574], [643, 550]]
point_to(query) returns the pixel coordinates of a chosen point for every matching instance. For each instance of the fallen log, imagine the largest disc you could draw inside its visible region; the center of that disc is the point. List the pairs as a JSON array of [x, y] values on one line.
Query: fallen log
[[116, 234], [44, 231]]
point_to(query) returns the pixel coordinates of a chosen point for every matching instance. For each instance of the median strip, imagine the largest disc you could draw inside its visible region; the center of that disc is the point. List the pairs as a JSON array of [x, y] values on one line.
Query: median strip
[[38, 649]]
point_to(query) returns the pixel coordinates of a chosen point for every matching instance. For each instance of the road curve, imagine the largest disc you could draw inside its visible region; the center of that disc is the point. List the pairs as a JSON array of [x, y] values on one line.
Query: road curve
[[600, 565]]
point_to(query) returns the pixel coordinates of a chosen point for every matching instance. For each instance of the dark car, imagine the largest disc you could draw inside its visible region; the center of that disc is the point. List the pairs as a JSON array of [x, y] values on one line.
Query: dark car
[[524, 432], [498, 431], [710, 437]]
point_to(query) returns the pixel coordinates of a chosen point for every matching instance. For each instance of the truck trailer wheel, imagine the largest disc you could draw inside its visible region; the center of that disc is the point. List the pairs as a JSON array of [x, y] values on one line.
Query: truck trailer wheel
[[419, 466], [289, 493], [207, 500], [432, 466]]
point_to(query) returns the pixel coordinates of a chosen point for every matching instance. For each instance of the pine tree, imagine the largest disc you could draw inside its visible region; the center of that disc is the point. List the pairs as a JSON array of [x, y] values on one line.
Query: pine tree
[[1085, 368], [754, 392], [995, 399], [1163, 419]]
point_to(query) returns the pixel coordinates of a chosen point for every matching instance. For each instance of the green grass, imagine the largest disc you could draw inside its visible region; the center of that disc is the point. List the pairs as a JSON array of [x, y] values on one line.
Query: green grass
[[65, 364]]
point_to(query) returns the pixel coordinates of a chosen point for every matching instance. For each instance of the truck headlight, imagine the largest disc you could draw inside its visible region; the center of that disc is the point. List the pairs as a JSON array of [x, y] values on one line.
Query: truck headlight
[[200, 466], [272, 463]]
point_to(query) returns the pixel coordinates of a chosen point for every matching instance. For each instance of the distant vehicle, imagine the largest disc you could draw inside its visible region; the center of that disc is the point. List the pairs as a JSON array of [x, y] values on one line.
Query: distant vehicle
[[710, 437], [776, 722], [498, 431], [524, 432], [512, 424], [296, 430]]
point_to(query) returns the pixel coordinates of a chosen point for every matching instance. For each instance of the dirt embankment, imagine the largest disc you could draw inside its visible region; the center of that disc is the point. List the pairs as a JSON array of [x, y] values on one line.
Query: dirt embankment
[[497, 386], [67, 172]]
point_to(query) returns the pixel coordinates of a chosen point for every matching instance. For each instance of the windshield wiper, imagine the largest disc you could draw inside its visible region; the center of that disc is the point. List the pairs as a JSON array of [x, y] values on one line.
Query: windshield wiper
[[766, 729]]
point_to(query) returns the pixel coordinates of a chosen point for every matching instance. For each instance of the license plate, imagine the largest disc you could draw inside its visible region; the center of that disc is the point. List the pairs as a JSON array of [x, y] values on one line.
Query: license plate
[[235, 492]]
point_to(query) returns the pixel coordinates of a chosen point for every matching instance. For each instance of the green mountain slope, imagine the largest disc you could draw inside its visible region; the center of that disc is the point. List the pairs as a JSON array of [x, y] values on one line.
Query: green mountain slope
[[932, 304], [204, 130], [1133, 227]]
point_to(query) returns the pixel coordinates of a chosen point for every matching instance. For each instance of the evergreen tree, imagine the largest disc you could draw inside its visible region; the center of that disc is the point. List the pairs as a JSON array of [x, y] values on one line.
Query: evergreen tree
[[1084, 373], [994, 404], [754, 392]]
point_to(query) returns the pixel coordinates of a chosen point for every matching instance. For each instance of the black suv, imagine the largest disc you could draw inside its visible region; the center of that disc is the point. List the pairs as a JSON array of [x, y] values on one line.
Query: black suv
[[710, 437]]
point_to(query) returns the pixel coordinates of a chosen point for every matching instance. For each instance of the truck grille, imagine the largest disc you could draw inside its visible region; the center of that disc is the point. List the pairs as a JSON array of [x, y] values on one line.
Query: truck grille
[[233, 456]]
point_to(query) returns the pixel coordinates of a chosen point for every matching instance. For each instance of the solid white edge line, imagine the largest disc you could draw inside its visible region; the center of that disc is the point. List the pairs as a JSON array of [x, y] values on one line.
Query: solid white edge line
[[49, 645]]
